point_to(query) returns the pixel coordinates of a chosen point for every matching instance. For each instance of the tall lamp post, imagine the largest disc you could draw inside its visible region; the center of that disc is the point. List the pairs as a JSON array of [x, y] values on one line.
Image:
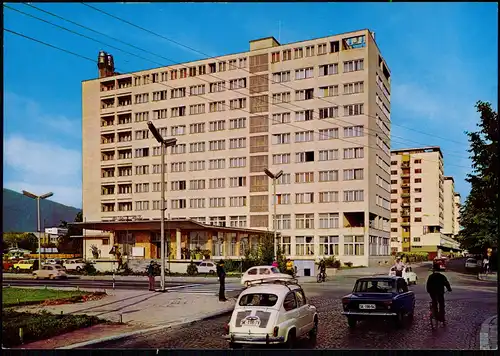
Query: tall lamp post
[[38, 198], [274, 177], [164, 144]]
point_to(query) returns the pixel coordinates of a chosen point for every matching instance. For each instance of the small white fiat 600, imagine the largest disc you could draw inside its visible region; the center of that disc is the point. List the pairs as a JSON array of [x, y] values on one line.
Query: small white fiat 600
[[271, 311]]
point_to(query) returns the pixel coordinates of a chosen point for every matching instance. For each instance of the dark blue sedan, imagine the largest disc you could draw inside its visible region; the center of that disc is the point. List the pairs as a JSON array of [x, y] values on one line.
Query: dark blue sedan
[[379, 297]]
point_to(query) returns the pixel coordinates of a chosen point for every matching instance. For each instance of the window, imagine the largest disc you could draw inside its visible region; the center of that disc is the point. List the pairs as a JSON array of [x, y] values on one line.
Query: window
[[418, 190], [331, 90], [281, 77], [281, 118], [282, 158], [353, 174], [352, 66], [353, 109], [239, 123], [353, 195], [235, 84], [196, 109], [306, 115], [303, 157], [304, 136], [283, 199], [178, 111], [287, 54], [178, 204], [418, 200], [328, 155], [236, 104], [237, 162], [328, 69], [177, 93], [281, 98], [217, 87], [197, 203], [217, 202], [178, 149], [280, 139], [217, 163], [353, 88], [418, 180], [309, 51], [197, 165], [418, 170], [354, 245], [328, 176], [238, 221], [160, 114], [143, 116], [197, 184], [142, 170], [197, 147], [237, 143], [304, 73], [197, 89], [328, 245], [275, 57], [141, 205], [160, 95], [141, 98], [322, 49], [238, 201], [327, 113], [329, 220], [304, 245], [298, 53], [142, 187], [178, 130], [418, 210], [285, 245], [304, 198], [217, 145], [178, 167], [178, 185], [352, 153], [304, 221], [328, 134], [305, 94], [353, 131], [329, 197], [290, 302], [235, 182], [418, 219], [141, 152], [283, 222], [217, 106], [417, 161]]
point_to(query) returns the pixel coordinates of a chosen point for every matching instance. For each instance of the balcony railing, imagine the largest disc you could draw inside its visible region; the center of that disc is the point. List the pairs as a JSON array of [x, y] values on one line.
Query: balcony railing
[[405, 213], [405, 165], [405, 185]]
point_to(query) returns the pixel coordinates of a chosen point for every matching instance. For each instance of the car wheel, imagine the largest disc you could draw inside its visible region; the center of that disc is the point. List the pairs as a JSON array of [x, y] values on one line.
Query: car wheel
[[18, 270], [51, 276], [35, 276], [352, 322], [78, 269], [313, 333], [235, 346], [415, 283], [290, 340], [399, 319], [212, 272]]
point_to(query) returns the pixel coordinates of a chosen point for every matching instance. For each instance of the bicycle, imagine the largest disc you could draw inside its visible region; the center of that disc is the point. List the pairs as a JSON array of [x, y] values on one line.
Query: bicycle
[[434, 321], [321, 277]]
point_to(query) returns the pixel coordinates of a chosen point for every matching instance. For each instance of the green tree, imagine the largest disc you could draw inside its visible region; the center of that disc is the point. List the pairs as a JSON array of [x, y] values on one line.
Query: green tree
[[480, 212], [68, 244], [24, 240]]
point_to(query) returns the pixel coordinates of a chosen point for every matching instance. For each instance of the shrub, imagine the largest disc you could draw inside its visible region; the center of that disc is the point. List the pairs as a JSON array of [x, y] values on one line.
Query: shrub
[[192, 269], [89, 269], [232, 266], [348, 264]]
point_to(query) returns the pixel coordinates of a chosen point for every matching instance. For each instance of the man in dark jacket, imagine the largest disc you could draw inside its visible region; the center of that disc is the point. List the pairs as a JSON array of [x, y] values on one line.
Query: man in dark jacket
[[436, 283], [221, 273], [151, 276]]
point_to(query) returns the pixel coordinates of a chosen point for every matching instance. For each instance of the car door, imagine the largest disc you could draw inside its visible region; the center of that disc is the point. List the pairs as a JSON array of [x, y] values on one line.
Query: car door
[[304, 314], [211, 267], [292, 314], [404, 297], [202, 267]]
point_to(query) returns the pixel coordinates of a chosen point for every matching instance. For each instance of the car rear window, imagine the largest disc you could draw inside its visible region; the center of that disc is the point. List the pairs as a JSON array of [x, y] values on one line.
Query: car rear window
[[374, 286], [258, 300]]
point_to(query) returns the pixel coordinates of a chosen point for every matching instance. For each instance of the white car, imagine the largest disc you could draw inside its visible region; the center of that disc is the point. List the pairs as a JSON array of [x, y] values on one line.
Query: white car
[[273, 312], [409, 276], [472, 263], [207, 268], [260, 272], [74, 265], [50, 272]]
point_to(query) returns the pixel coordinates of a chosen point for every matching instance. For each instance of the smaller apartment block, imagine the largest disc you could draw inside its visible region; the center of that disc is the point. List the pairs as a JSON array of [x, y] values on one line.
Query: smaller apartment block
[[422, 202]]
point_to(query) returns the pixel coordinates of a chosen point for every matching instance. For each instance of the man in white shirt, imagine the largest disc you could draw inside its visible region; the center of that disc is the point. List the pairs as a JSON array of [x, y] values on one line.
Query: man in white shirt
[[399, 266]]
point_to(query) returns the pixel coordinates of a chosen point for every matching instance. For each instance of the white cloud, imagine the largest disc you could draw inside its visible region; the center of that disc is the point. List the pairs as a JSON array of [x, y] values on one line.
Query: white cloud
[[44, 167]]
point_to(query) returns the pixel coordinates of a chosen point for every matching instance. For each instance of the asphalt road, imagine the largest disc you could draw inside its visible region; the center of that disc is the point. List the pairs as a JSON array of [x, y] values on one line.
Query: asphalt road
[[470, 303]]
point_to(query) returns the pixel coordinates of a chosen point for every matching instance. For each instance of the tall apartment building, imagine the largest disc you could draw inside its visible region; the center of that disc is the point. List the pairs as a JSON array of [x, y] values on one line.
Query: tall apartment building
[[420, 218], [449, 207], [318, 109], [456, 215]]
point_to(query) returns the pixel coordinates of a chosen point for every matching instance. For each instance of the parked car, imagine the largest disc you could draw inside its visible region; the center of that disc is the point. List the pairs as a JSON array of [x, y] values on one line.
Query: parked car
[[24, 265], [441, 262], [207, 267], [74, 265], [7, 265], [50, 272], [53, 261], [472, 263], [379, 297], [409, 276], [259, 272], [272, 311]]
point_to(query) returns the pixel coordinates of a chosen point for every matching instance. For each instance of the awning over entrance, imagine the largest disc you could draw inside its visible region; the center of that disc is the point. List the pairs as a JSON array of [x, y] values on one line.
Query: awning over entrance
[[448, 249]]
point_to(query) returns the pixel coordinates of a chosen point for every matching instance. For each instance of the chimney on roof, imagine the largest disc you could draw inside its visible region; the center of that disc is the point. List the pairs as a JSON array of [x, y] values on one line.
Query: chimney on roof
[[105, 64]]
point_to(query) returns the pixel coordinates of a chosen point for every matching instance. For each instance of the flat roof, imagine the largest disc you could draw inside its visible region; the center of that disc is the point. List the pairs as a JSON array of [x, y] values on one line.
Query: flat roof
[[449, 178], [146, 224], [418, 150]]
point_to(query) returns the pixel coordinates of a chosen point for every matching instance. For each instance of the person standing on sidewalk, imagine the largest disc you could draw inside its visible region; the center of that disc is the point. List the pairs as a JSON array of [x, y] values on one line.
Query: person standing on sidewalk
[[399, 266], [151, 276], [221, 273], [486, 265]]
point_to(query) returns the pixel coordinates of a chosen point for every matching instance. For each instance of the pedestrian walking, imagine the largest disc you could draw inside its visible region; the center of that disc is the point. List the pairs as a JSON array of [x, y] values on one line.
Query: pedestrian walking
[[486, 265], [151, 276], [289, 267], [275, 264], [221, 273], [399, 266]]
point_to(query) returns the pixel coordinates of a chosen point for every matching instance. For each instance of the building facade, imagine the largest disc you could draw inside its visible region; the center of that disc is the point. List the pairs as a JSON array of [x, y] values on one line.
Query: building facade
[[319, 110], [420, 218]]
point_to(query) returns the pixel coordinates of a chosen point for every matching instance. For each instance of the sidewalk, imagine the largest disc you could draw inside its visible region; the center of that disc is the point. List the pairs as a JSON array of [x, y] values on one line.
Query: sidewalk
[[490, 277], [488, 338], [140, 310]]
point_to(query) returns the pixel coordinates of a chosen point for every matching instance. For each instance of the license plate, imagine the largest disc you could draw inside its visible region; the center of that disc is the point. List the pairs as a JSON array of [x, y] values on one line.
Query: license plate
[[367, 306], [250, 322]]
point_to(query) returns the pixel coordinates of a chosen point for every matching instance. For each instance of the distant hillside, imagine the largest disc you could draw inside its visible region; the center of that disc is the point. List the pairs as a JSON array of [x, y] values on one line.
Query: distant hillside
[[19, 213]]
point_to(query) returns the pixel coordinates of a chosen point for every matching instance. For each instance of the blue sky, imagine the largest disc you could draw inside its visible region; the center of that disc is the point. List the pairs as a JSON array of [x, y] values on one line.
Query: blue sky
[[443, 57]]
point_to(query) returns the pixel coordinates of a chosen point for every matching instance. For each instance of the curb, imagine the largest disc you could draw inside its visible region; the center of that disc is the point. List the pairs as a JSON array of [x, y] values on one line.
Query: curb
[[481, 278], [173, 325], [484, 342]]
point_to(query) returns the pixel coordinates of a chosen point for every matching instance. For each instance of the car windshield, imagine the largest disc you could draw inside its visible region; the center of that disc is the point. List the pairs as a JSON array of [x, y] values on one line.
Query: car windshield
[[258, 300], [57, 267], [275, 270], [374, 286]]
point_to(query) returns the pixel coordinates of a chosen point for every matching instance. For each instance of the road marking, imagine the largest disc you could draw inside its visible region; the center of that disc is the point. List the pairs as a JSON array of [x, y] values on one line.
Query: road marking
[[184, 286]]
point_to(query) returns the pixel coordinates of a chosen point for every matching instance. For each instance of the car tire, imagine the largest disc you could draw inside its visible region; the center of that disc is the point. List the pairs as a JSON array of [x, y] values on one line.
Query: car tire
[[399, 318], [352, 322], [78, 269], [313, 333], [290, 340], [235, 346], [18, 270], [35, 276], [211, 272], [416, 279], [51, 276]]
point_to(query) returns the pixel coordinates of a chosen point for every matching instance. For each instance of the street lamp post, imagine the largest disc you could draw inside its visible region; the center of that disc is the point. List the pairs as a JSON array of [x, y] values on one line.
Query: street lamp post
[[38, 198], [165, 143], [274, 177]]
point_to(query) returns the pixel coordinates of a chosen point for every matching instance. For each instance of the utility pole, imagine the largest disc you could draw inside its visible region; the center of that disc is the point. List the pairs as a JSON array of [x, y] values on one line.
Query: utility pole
[[274, 177], [165, 143]]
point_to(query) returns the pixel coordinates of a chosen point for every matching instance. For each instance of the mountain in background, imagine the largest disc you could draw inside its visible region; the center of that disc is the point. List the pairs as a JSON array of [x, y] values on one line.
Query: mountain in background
[[19, 213]]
